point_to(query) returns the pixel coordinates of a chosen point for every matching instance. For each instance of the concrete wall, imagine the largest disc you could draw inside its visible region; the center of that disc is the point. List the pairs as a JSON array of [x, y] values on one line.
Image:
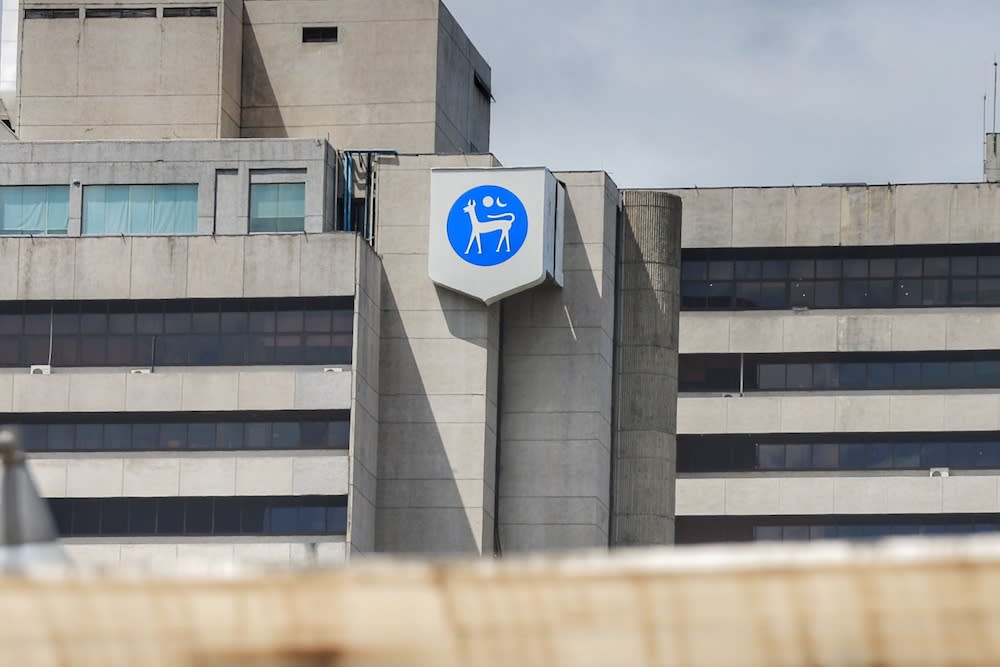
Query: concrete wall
[[197, 554], [221, 209], [365, 404], [174, 390], [991, 162], [437, 407], [871, 412], [645, 416], [9, 13], [830, 216], [121, 78], [463, 111], [375, 86], [178, 267], [895, 330], [557, 356], [897, 493], [157, 474]]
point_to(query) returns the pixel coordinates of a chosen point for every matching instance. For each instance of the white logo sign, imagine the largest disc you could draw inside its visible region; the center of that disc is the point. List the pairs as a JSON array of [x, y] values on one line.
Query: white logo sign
[[493, 231]]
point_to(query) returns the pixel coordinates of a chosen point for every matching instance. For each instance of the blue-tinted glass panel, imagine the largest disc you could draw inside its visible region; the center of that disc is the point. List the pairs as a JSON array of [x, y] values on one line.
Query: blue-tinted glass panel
[[137, 210], [277, 207], [34, 209]]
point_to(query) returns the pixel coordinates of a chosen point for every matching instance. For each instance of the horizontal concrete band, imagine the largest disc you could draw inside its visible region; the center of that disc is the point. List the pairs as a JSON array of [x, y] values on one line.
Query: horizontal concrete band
[[175, 391], [841, 330], [839, 215], [177, 267], [199, 555], [832, 413], [837, 495], [191, 475]]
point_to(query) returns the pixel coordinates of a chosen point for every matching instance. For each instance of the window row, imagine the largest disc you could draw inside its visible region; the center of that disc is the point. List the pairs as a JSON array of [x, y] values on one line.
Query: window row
[[843, 277], [700, 530], [139, 210], [203, 332], [805, 452], [844, 371], [193, 431], [899, 293], [242, 515], [119, 13]]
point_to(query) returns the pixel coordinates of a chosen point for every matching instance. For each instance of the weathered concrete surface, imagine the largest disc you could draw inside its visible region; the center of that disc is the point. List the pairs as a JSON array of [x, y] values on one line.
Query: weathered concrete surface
[[842, 215], [557, 355], [644, 424], [437, 383]]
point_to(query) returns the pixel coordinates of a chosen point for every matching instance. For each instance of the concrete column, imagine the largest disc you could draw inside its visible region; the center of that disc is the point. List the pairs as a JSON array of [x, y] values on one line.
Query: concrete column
[[438, 370], [644, 422], [556, 387], [991, 162]]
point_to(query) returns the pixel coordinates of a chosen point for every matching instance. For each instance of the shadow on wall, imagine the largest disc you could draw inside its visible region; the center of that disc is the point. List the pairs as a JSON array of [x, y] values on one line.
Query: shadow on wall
[[645, 424], [258, 95], [556, 395], [420, 507]]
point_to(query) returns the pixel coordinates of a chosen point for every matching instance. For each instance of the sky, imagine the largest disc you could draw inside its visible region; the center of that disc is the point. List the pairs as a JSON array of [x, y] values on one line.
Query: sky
[[670, 93]]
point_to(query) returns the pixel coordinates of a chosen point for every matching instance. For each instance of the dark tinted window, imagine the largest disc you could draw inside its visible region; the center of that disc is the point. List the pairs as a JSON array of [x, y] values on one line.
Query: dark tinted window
[[695, 530], [201, 332], [298, 515], [195, 431], [840, 277], [838, 371], [837, 451]]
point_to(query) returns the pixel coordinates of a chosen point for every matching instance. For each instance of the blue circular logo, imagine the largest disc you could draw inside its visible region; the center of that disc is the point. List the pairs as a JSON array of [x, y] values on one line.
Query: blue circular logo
[[487, 225]]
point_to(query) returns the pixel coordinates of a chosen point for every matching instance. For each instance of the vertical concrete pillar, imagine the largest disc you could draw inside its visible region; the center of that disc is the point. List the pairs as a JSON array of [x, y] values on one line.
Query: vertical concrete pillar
[[991, 161], [437, 383], [555, 422], [644, 422]]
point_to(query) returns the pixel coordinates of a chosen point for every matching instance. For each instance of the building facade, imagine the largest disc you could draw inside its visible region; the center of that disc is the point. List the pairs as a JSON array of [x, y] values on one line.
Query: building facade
[[838, 370], [211, 355]]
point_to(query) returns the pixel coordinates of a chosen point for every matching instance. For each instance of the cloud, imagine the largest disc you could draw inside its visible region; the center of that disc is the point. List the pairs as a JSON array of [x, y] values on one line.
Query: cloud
[[728, 92]]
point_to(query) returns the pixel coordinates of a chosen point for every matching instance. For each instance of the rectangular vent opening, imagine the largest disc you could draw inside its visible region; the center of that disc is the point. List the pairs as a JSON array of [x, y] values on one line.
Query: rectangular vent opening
[[320, 34], [120, 13], [174, 12], [51, 13]]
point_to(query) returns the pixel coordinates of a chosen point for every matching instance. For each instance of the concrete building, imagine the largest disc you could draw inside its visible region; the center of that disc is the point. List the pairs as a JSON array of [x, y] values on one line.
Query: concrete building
[[208, 359], [358, 73], [839, 366]]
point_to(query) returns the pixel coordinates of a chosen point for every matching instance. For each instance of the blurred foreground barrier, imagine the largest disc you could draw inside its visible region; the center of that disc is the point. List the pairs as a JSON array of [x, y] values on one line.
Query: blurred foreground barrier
[[907, 602]]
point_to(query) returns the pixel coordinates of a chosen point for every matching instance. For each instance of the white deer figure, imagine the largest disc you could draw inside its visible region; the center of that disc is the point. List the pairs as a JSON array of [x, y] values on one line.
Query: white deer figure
[[498, 222]]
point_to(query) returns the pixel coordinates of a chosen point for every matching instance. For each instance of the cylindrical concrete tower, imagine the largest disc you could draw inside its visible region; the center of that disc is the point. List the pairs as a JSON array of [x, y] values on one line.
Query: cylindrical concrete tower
[[644, 426]]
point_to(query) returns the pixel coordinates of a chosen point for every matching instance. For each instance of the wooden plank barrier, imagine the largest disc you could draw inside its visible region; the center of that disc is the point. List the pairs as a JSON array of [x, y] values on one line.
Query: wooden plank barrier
[[908, 602]]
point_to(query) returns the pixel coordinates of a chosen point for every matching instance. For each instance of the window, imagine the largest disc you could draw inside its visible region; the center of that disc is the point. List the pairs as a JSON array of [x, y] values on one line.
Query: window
[[175, 12], [177, 332], [723, 453], [839, 371], [34, 209], [140, 209], [51, 13], [120, 13], [698, 530], [320, 34], [179, 431], [277, 207], [840, 277], [299, 515]]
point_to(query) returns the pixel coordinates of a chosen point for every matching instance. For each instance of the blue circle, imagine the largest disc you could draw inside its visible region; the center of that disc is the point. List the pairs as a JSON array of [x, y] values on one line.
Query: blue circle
[[487, 225]]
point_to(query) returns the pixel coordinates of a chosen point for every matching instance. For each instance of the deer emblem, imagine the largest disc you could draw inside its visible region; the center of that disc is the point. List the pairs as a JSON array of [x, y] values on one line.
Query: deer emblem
[[496, 222]]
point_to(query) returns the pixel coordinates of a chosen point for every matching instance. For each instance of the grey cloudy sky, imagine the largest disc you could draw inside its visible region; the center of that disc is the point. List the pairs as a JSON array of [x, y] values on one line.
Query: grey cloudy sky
[[729, 92]]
